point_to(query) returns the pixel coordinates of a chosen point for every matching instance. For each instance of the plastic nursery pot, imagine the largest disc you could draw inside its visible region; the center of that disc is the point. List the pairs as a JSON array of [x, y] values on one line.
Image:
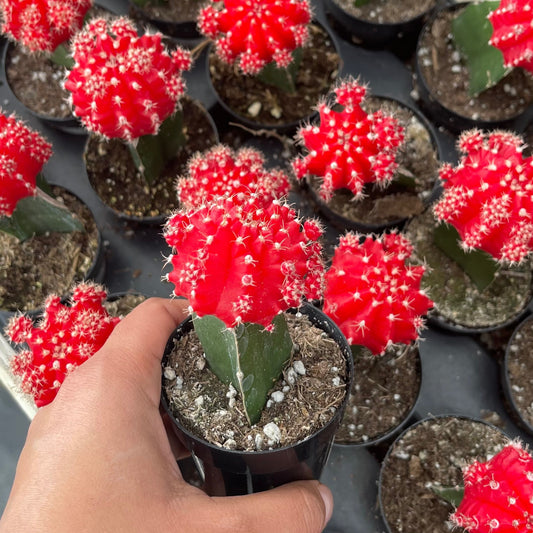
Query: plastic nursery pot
[[517, 376], [442, 83], [383, 399], [459, 305], [430, 454], [170, 18], [35, 82], [228, 472], [398, 35], [415, 186], [50, 263], [249, 102], [124, 191]]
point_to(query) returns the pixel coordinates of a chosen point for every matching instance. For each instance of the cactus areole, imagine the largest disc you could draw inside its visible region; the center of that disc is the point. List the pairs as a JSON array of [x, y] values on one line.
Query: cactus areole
[[66, 336], [42, 25], [241, 265], [255, 33]]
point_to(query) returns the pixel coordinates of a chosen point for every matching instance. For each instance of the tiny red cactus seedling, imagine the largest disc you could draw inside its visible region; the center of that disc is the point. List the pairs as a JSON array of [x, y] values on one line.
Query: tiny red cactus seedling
[[255, 33], [128, 87], [65, 337], [43, 25], [349, 147], [241, 264], [498, 493], [26, 210], [487, 196], [372, 294], [222, 172]]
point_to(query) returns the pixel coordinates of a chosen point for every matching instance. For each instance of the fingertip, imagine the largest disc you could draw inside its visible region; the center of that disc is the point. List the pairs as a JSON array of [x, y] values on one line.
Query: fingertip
[[327, 498]]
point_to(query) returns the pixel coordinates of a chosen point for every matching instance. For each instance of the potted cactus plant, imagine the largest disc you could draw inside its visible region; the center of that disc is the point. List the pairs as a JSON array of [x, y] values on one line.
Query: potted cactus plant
[[374, 296], [39, 224], [473, 56], [357, 181], [128, 91], [239, 408], [269, 62], [476, 238], [38, 33], [64, 337]]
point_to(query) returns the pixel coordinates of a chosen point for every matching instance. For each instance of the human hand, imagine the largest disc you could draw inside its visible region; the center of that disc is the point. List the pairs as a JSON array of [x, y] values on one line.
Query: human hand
[[98, 458]]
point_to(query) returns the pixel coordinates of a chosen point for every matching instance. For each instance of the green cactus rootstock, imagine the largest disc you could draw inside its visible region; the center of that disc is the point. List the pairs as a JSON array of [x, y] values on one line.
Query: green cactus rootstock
[[248, 356], [471, 32]]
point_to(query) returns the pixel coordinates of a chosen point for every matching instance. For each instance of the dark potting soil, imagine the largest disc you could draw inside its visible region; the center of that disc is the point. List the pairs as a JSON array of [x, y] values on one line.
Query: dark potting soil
[[46, 264], [384, 391], [387, 11], [120, 186], [173, 10], [265, 104], [302, 403], [444, 72], [431, 454]]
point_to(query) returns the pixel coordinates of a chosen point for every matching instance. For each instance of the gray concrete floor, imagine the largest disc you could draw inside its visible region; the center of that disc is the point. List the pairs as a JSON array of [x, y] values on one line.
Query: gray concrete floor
[[14, 425]]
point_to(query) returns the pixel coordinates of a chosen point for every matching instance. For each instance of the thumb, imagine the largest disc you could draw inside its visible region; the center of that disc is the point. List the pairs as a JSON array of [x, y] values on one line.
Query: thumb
[[303, 506]]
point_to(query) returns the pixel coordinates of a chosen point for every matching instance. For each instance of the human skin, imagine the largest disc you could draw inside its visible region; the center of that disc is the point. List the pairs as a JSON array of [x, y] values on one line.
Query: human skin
[[98, 458]]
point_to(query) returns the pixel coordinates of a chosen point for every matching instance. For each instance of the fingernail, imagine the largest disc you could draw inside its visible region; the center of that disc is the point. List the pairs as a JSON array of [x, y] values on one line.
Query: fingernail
[[327, 498]]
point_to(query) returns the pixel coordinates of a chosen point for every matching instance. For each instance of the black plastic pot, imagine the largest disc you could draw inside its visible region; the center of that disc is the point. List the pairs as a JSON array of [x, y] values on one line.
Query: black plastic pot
[[232, 472], [444, 116], [511, 390], [343, 223], [398, 37]]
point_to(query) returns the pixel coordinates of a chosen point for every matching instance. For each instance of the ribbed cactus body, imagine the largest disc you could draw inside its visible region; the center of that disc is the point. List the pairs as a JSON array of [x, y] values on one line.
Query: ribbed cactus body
[[372, 294], [65, 338], [349, 147]]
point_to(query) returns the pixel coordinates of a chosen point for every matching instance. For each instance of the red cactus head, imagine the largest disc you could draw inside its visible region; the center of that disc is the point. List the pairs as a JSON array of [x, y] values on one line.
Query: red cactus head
[[256, 32], [349, 147], [372, 295], [221, 172], [244, 262], [122, 85], [64, 339], [23, 152], [42, 25], [487, 196], [498, 495], [513, 32]]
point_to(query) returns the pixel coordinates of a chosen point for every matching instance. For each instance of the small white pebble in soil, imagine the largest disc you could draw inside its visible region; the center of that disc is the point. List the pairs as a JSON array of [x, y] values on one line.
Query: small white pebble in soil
[[291, 376], [199, 401], [179, 383], [336, 381], [272, 432], [269, 404], [169, 373], [231, 392], [259, 441], [286, 389], [299, 367], [396, 397], [230, 444], [200, 363], [277, 396], [254, 109]]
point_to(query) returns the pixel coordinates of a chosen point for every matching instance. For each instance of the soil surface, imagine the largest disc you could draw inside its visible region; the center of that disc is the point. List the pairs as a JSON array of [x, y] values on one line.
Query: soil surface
[[387, 11], [457, 300], [384, 391], [121, 305], [408, 193], [520, 370], [431, 453], [171, 10], [45, 264], [300, 404], [265, 104], [118, 183], [444, 72]]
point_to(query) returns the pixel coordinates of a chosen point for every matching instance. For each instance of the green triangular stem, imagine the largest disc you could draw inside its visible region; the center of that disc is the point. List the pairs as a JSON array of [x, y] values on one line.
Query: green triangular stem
[[453, 495], [283, 78], [61, 56]]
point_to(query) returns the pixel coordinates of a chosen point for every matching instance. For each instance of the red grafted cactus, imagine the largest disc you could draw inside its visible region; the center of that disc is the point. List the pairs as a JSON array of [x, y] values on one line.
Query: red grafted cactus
[[243, 262], [23, 152], [222, 172], [513, 32], [349, 147], [124, 85], [487, 196], [256, 32], [66, 337], [498, 494], [372, 294], [42, 25]]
